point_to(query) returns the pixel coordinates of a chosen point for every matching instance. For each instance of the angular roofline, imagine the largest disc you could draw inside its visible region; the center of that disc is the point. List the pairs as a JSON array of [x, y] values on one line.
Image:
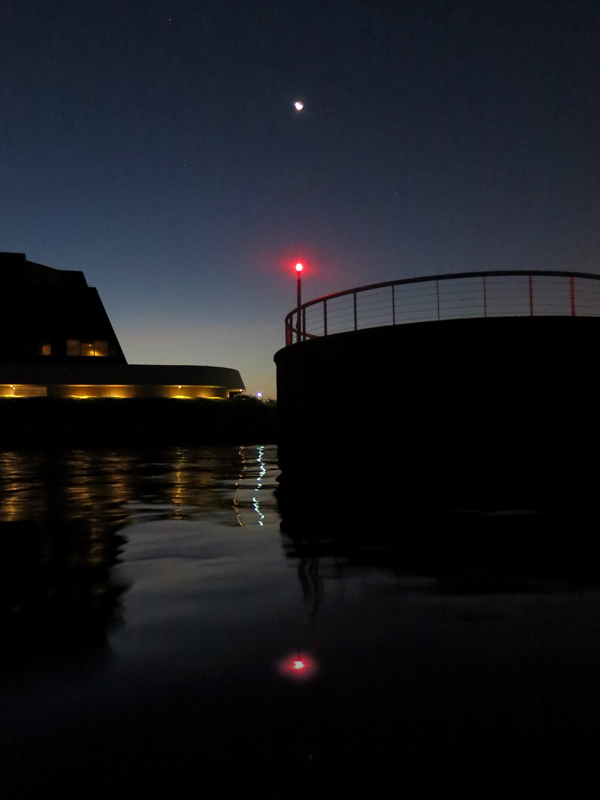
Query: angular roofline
[[15, 268]]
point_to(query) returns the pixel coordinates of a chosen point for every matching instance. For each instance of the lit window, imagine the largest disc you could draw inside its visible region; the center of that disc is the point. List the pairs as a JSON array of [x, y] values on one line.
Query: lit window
[[96, 348], [46, 350]]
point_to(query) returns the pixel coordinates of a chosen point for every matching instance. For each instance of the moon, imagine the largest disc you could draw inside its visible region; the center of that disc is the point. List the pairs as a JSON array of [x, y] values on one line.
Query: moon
[[298, 105]]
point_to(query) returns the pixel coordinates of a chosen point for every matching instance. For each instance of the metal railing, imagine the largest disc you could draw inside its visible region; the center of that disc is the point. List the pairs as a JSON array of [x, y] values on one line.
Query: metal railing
[[443, 297]]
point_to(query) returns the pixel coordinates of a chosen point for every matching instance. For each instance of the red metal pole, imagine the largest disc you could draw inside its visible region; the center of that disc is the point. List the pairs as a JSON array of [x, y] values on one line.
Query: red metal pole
[[299, 302]]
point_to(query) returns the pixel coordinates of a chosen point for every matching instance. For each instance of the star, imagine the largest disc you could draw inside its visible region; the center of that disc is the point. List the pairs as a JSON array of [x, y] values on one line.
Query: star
[[298, 105]]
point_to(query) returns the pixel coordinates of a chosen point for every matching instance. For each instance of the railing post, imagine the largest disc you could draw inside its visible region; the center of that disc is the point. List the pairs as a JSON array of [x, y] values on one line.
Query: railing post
[[572, 290], [484, 298], [355, 314], [393, 305], [437, 294], [324, 317], [530, 296]]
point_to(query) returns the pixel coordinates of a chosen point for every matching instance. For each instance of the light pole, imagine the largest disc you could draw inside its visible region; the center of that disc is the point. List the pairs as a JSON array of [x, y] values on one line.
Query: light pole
[[299, 299]]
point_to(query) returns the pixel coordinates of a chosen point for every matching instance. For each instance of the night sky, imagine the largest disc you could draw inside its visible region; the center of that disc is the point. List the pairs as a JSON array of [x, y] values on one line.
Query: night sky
[[155, 146]]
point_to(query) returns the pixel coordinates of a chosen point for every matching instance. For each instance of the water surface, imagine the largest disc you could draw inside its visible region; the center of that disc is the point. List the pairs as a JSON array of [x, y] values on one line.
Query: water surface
[[149, 601]]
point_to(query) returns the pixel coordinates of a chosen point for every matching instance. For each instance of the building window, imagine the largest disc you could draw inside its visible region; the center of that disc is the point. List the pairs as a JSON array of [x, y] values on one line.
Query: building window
[[95, 348], [46, 350]]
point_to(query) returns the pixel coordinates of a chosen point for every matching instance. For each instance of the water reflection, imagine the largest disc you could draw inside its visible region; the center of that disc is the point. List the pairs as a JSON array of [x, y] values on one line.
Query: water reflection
[[357, 645], [250, 481], [445, 551], [62, 517]]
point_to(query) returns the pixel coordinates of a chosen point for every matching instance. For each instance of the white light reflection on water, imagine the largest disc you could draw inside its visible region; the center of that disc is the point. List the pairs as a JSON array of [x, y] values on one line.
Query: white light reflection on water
[[261, 473], [255, 484]]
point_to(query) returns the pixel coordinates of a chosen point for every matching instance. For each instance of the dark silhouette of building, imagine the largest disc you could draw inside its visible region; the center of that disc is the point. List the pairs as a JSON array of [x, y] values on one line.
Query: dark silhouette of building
[[52, 316], [56, 340]]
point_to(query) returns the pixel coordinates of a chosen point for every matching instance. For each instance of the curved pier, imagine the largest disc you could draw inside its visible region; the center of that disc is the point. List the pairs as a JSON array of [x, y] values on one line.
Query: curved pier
[[479, 394]]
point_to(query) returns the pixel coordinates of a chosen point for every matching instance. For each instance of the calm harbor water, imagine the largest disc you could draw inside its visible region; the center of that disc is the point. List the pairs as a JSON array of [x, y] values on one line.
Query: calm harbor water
[[153, 607]]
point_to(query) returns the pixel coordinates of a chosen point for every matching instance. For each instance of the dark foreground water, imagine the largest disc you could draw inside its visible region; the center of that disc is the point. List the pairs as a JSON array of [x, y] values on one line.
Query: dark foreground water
[[152, 612]]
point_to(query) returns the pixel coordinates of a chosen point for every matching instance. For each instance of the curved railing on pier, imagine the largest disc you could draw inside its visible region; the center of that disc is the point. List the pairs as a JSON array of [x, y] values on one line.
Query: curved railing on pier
[[443, 297]]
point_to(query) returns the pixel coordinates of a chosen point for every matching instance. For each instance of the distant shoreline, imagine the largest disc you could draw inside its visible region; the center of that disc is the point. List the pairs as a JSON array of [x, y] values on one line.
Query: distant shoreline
[[43, 422]]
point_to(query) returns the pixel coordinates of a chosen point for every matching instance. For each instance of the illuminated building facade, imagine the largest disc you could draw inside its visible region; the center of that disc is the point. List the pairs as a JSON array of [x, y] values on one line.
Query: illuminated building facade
[[56, 340]]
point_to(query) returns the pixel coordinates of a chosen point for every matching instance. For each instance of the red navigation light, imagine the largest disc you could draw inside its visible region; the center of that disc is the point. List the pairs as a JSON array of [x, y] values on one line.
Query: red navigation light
[[300, 667], [299, 267]]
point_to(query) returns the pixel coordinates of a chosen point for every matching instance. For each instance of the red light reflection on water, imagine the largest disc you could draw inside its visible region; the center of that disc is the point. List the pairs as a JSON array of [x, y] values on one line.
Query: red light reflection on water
[[299, 667]]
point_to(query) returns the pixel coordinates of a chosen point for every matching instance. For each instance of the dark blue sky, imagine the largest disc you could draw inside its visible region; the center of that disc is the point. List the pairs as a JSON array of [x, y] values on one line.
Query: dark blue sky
[[155, 146]]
